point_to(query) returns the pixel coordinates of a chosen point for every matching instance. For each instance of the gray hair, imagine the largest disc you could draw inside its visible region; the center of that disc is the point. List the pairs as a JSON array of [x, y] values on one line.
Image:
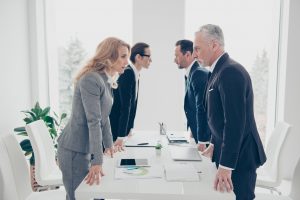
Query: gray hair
[[213, 32]]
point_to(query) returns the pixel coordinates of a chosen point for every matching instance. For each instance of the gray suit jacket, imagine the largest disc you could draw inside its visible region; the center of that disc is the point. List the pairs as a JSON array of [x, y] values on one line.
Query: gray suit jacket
[[89, 125]]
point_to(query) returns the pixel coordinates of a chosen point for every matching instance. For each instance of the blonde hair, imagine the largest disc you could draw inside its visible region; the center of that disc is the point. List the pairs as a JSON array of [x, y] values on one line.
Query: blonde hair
[[106, 55]]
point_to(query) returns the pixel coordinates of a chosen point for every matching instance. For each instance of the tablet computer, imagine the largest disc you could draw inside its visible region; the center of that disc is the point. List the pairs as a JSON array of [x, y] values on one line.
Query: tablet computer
[[133, 162]]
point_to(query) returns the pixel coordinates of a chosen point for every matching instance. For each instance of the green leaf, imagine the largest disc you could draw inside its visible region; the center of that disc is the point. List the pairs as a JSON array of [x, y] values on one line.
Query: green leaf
[[56, 122], [37, 110], [158, 146], [37, 105], [55, 114], [45, 112], [53, 133], [64, 115], [27, 120], [22, 133], [31, 160], [19, 129], [49, 120], [33, 116], [26, 145]]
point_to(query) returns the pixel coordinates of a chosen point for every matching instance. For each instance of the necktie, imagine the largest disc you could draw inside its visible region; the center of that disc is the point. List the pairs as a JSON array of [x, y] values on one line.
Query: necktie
[[208, 76]]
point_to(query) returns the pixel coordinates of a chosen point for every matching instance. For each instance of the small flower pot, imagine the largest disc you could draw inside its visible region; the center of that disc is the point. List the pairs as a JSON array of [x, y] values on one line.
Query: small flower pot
[[158, 152]]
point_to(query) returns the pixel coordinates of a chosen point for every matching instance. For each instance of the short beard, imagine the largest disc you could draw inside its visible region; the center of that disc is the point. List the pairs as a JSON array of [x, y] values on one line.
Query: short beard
[[180, 67]]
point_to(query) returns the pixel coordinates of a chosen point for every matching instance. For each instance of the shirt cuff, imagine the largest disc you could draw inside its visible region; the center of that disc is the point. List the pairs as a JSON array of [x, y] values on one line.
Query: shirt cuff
[[200, 142], [121, 138], [228, 168]]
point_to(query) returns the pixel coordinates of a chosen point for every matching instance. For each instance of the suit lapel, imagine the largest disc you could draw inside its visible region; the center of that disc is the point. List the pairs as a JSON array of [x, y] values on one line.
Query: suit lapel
[[188, 80], [135, 92], [194, 67], [213, 76], [217, 69]]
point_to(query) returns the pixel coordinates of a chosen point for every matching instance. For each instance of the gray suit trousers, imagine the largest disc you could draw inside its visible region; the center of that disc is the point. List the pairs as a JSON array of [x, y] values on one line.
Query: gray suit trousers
[[74, 167]]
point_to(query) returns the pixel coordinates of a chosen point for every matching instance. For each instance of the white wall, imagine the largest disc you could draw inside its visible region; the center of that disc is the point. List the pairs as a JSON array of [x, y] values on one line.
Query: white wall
[[290, 105], [160, 24], [15, 69]]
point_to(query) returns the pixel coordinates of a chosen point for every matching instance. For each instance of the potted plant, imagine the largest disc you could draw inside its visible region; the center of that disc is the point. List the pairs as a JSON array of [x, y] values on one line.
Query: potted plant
[[158, 148], [53, 123]]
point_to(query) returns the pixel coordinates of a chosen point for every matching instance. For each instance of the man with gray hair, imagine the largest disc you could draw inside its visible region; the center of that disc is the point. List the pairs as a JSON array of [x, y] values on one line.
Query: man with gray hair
[[235, 143]]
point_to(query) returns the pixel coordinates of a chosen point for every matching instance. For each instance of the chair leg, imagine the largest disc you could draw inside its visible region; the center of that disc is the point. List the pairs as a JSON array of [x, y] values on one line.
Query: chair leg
[[272, 189], [42, 188], [47, 187], [275, 190]]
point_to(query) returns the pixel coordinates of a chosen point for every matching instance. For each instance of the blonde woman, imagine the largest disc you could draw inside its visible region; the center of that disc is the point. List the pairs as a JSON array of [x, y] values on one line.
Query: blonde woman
[[80, 150]]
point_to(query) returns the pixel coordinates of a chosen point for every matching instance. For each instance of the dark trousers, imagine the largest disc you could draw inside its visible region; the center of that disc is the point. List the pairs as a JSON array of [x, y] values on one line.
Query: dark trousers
[[244, 184]]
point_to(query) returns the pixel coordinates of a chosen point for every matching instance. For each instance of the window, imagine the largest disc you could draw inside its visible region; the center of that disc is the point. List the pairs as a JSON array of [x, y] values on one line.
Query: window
[[80, 26], [251, 32]]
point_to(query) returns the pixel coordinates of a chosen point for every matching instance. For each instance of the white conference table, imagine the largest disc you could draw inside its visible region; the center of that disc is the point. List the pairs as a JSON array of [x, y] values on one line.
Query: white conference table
[[156, 188]]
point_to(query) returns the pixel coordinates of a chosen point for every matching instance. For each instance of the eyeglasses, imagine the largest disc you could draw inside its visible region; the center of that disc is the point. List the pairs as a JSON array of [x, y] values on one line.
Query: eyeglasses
[[149, 56]]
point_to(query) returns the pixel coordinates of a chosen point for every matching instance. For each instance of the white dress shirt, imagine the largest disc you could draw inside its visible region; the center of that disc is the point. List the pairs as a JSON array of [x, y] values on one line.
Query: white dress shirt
[[137, 76]]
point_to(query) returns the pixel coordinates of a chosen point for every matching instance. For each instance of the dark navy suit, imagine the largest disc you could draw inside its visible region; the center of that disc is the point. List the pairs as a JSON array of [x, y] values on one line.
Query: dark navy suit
[[193, 103], [125, 103], [231, 121]]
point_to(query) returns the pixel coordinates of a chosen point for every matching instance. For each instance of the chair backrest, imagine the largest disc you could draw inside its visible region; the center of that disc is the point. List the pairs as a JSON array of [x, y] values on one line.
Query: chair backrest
[[43, 148], [295, 190], [13, 169], [274, 146]]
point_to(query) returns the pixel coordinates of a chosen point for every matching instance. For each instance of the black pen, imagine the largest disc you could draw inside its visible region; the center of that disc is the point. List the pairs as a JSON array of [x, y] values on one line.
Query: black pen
[[145, 143]]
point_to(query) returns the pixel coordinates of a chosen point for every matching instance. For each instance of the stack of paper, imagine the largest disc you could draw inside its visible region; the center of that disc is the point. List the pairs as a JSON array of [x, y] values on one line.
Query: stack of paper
[[176, 138], [184, 153], [139, 172], [181, 172]]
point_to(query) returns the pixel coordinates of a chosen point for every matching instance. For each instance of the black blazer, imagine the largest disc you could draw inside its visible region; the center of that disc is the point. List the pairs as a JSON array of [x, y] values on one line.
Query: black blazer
[[124, 106], [231, 118], [193, 103]]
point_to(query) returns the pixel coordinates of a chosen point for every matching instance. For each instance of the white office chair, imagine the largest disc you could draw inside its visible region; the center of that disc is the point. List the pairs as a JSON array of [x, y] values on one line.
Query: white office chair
[[14, 174], [295, 190], [269, 175], [47, 172]]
